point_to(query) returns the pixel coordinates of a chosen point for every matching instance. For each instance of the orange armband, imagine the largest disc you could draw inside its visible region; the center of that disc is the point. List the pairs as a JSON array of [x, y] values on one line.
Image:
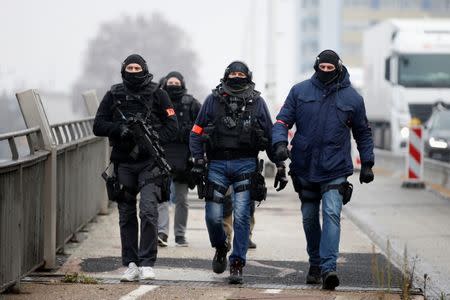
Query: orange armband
[[197, 129], [170, 112]]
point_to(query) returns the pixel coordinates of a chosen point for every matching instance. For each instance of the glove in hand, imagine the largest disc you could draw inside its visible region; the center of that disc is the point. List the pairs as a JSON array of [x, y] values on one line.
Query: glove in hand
[[125, 132], [281, 152], [280, 179], [198, 170], [366, 173]]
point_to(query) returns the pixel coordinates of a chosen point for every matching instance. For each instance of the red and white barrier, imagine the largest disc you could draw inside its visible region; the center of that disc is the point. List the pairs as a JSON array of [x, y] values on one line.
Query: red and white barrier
[[414, 158]]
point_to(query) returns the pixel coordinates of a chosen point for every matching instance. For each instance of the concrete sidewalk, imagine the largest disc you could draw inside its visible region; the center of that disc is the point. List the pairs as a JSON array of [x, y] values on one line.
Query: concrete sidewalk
[[416, 219], [279, 262]]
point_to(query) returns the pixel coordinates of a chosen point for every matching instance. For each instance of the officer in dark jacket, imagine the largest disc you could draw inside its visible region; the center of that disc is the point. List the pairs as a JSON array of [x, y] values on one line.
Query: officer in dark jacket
[[137, 172], [324, 109], [179, 158], [235, 122]]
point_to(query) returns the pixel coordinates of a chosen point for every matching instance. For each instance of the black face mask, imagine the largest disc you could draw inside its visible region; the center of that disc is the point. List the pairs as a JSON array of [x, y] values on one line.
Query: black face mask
[[175, 91], [237, 83], [327, 77], [135, 80]]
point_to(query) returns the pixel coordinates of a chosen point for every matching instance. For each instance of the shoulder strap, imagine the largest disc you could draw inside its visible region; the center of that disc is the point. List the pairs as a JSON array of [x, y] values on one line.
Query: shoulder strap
[[116, 91]]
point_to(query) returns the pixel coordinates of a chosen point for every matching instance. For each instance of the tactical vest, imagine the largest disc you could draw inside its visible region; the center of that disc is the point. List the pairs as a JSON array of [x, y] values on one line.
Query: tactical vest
[[185, 117], [130, 104], [237, 132]]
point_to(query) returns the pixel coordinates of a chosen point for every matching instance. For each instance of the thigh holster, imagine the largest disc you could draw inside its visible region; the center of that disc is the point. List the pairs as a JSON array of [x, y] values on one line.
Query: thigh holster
[[210, 188], [163, 182], [307, 192], [245, 186], [256, 185], [345, 189]]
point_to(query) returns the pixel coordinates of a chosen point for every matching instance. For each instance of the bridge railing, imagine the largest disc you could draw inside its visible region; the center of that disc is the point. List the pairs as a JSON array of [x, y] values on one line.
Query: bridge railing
[[80, 161], [21, 208], [49, 194]]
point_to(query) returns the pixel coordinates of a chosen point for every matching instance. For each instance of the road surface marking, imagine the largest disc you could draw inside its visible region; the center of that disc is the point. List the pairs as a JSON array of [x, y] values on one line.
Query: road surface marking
[[140, 291], [272, 291], [283, 272]]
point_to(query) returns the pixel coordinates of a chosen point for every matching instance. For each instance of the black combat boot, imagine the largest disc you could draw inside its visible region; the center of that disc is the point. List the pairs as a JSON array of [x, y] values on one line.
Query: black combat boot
[[235, 272], [313, 276], [219, 263], [330, 280]]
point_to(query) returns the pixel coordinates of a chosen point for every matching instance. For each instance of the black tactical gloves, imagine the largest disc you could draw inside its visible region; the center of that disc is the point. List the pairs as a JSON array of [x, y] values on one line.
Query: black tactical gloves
[[366, 174], [125, 132], [281, 152], [198, 170], [280, 178]]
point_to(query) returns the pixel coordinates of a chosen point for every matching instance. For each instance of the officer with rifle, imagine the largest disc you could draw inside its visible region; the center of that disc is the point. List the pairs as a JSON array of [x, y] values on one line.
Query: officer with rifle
[[233, 125], [138, 118]]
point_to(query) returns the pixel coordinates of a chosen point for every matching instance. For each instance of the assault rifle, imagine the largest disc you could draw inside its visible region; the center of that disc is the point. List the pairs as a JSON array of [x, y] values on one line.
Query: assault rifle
[[147, 140]]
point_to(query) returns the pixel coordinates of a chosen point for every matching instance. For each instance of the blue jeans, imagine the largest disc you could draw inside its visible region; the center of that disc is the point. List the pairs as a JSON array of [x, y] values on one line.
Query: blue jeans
[[224, 173], [323, 243]]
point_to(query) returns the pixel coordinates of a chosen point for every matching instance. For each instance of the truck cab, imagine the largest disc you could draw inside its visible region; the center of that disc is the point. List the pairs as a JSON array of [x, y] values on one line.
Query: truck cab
[[407, 71]]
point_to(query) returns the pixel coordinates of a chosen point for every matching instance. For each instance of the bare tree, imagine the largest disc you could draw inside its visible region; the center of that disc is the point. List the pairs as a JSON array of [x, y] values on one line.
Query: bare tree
[[165, 47]]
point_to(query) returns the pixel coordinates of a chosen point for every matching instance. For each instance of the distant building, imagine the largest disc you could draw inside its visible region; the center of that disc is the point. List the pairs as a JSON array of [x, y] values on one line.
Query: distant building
[[352, 17]]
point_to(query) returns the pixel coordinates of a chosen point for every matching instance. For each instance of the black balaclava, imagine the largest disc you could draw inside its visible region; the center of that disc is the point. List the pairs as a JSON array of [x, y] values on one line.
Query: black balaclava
[[331, 57], [237, 84], [175, 91], [139, 80]]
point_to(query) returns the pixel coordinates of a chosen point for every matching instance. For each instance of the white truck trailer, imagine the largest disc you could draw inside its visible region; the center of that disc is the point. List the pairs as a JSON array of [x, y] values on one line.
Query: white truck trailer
[[406, 66]]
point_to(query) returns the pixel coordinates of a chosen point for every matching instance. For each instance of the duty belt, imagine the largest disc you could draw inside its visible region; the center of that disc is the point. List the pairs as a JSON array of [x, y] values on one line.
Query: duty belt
[[231, 154]]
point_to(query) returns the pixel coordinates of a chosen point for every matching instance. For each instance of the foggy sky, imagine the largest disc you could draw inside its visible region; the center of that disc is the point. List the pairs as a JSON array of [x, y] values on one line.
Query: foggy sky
[[43, 42]]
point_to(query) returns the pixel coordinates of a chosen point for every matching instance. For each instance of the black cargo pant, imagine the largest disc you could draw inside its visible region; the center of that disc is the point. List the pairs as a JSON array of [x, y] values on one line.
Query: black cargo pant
[[139, 177]]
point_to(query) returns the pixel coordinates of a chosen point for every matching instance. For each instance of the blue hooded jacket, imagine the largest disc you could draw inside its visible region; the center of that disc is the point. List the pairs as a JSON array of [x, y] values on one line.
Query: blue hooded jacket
[[324, 116]]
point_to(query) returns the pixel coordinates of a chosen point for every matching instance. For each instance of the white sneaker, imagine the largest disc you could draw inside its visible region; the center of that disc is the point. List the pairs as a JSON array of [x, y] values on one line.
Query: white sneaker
[[147, 273], [131, 274]]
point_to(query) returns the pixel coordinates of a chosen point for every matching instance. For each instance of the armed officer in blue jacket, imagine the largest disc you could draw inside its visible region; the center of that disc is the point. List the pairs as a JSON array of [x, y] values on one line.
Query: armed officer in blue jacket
[[233, 126], [324, 108]]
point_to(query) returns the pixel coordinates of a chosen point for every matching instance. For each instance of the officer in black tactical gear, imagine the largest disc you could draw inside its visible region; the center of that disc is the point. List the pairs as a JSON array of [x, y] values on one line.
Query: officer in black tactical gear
[[179, 158], [233, 125], [137, 171]]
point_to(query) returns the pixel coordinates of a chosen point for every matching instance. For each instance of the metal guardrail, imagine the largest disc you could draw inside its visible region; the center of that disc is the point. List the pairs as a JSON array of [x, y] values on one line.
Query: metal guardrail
[[65, 132], [21, 208], [49, 194], [80, 160], [34, 140], [78, 185]]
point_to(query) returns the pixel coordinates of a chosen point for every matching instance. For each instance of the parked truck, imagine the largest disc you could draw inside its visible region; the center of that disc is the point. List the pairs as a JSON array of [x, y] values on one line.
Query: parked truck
[[406, 66]]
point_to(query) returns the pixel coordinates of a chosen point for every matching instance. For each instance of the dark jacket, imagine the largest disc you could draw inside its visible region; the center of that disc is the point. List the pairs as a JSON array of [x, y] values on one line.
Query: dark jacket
[[323, 116], [177, 152], [107, 123], [208, 114]]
